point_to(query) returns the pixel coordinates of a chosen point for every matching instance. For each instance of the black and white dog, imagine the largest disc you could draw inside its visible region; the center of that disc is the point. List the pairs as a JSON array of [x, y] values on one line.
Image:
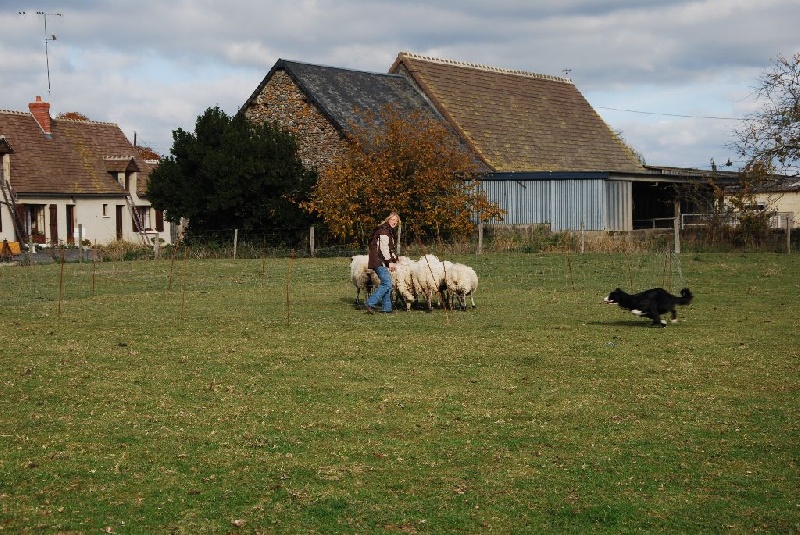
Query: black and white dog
[[651, 303]]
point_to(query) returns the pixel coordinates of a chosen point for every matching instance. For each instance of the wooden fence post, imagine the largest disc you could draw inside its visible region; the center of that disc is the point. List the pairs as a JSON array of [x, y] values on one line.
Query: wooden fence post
[[480, 238], [235, 241], [311, 243], [677, 230], [583, 236], [80, 242], [789, 233], [399, 237]]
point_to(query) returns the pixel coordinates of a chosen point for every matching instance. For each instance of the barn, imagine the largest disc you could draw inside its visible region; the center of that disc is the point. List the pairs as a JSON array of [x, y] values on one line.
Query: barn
[[549, 158]]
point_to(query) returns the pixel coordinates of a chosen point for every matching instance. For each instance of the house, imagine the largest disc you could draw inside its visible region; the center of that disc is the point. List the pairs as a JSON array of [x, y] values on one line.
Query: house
[[784, 199], [779, 196], [65, 180], [549, 157]]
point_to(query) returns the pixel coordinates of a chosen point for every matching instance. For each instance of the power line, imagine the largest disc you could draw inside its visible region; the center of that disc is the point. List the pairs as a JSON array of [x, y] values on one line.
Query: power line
[[673, 114]]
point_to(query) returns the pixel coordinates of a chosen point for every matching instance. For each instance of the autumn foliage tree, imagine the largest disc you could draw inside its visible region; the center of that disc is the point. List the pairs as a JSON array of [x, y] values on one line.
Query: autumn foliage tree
[[148, 153], [405, 163], [73, 116]]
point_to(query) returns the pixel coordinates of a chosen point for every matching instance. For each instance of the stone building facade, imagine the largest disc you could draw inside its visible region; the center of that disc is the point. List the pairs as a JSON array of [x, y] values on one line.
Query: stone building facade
[[284, 102]]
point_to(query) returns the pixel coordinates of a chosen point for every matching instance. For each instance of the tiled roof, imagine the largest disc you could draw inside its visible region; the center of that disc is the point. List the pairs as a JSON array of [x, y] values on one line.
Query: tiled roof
[[75, 159], [519, 121], [344, 95]]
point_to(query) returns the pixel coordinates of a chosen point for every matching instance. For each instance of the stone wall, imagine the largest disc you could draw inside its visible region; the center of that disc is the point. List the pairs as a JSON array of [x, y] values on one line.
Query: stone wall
[[282, 101]]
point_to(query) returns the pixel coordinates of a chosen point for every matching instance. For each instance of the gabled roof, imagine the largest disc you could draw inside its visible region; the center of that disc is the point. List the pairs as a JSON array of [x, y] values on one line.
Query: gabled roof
[[344, 95], [75, 159], [519, 121]]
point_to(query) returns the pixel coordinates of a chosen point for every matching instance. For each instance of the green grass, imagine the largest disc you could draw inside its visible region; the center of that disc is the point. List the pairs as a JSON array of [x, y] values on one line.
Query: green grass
[[181, 397]]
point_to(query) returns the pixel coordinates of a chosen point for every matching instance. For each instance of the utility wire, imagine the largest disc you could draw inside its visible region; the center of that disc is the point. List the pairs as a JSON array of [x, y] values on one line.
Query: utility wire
[[674, 114]]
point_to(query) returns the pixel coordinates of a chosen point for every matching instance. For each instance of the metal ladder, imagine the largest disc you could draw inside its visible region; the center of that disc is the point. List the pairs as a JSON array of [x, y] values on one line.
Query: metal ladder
[[136, 220], [10, 200]]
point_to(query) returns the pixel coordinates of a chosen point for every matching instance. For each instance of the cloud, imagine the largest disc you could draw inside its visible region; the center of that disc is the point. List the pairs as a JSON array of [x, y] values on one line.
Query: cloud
[[153, 66]]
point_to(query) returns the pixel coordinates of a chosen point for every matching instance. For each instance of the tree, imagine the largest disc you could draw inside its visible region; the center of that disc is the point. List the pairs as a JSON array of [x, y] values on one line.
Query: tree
[[148, 153], [769, 139], [231, 173], [405, 163], [72, 115]]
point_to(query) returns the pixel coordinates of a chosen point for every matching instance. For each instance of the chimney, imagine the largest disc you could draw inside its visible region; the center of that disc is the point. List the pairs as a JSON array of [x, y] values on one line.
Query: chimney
[[41, 112]]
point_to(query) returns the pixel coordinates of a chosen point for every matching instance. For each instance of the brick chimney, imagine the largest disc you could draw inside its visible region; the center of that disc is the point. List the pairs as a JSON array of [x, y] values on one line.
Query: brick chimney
[[41, 112]]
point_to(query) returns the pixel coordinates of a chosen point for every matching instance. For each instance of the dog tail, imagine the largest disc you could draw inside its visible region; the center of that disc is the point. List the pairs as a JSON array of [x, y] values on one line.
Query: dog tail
[[686, 297]]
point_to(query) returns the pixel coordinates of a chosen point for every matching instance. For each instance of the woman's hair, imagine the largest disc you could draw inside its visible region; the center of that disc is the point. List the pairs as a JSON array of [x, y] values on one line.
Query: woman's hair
[[393, 214]]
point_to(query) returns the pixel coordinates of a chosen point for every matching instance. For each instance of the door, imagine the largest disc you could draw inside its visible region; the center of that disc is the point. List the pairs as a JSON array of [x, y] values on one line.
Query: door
[[53, 224], [70, 223], [119, 222]]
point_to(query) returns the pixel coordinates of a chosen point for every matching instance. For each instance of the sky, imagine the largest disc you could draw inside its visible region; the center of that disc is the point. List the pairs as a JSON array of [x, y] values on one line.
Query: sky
[[674, 78]]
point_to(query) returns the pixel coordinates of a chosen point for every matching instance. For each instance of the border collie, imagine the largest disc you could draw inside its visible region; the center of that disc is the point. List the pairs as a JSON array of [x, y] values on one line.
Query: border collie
[[651, 303]]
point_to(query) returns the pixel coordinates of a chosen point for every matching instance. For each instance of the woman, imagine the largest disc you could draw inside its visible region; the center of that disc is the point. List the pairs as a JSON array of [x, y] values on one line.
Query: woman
[[382, 260]]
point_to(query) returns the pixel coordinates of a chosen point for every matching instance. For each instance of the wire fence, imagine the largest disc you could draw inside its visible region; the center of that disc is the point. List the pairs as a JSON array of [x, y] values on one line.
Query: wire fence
[[318, 243]]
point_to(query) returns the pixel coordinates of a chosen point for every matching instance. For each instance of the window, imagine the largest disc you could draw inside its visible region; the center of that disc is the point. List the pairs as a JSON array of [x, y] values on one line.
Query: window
[[143, 212], [105, 210], [37, 219]]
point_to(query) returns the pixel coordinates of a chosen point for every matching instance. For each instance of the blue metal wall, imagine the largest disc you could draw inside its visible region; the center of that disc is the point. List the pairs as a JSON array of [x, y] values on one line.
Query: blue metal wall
[[564, 204]]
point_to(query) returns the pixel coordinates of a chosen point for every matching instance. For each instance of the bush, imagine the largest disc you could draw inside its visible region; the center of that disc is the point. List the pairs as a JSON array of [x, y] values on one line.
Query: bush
[[124, 250]]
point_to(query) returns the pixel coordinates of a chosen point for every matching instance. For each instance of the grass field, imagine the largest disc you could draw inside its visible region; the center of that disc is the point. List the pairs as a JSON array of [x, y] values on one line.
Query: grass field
[[252, 396]]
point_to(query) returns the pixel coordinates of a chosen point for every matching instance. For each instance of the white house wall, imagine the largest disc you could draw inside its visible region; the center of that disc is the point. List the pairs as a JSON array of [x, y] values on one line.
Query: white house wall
[[97, 226], [783, 203]]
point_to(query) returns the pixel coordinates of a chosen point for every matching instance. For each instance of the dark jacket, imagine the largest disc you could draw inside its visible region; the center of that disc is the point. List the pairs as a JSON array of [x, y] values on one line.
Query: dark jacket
[[376, 256]]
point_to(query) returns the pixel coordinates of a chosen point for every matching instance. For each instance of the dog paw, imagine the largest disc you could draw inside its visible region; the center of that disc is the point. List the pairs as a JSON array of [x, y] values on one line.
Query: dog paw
[[636, 312]]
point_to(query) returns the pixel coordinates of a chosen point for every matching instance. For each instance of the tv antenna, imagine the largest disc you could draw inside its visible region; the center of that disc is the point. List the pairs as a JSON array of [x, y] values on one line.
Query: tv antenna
[[47, 39]]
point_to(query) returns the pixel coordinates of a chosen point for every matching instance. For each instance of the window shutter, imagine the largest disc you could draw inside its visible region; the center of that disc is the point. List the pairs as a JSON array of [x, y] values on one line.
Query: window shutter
[[159, 220]]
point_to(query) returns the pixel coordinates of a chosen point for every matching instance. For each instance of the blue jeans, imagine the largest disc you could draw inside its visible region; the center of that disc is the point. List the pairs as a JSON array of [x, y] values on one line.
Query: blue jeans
[[384, 292]]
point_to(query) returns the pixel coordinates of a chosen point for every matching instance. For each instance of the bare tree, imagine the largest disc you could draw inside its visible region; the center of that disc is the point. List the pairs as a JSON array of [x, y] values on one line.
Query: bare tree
[[769, 138]]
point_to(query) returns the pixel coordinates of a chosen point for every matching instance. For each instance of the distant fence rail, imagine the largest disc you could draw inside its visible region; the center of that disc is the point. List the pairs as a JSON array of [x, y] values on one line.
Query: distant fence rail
[[777, 220]]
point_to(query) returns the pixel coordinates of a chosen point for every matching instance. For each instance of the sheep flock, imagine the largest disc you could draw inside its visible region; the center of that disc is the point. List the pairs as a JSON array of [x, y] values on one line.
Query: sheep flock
[[418, 283]]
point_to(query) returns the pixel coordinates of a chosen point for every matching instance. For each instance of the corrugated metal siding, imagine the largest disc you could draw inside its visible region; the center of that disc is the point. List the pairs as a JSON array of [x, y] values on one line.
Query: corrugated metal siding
[[576, 202], [526, 202], [619, 205], [564, 204]]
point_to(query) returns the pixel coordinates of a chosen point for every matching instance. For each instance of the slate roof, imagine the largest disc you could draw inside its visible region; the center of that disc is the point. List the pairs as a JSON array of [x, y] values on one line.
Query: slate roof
[[517, 120], [75, 159], [343, 95]]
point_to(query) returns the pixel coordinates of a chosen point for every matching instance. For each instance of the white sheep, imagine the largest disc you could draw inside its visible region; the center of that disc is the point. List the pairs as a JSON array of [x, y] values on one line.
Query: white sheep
[[461, 281], [362, 277], [403, 281], [428, 276]]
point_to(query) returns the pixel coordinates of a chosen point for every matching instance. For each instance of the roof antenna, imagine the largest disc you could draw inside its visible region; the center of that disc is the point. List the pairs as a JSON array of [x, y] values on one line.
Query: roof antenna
[[47, 38]]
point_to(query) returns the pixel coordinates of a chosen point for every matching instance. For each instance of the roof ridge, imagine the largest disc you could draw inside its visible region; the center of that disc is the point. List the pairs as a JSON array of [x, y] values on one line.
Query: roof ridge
[[84, 121], [16, 112], [516, 72], [334, 67]]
